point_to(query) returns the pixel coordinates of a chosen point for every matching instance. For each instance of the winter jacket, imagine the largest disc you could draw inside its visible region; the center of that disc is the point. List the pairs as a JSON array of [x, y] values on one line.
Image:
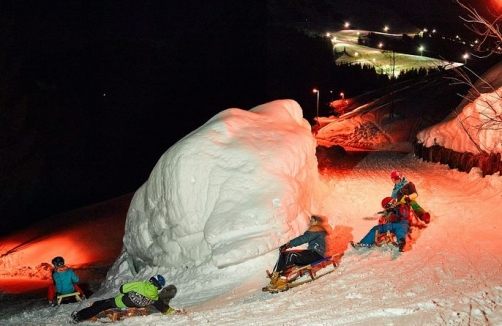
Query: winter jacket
[[397, 214], [64, 278], [403, 188], [137, 294], [315, 236]]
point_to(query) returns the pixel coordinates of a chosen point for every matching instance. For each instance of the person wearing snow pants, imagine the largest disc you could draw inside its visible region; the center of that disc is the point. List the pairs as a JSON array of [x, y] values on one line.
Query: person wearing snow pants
[[400, 229]]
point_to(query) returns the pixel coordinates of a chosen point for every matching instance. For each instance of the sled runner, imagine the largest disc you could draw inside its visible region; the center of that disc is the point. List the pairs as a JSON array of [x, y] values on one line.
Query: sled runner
[[60, 297], [312, 270], [415, 223], [118, 314]]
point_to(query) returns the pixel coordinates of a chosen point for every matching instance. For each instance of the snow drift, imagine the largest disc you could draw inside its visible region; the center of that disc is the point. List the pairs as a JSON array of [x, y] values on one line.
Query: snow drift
[[475, 125], [232, 190]]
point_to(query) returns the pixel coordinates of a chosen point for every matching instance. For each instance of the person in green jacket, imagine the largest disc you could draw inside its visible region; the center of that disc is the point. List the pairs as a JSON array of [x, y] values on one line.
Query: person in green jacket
[[133, 295]]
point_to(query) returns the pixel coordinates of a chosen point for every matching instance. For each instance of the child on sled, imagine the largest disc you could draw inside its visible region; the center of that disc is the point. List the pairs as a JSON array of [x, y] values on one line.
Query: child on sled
[[133, 295], [405, 189], [64, 281], [395, 219], [315, 237]]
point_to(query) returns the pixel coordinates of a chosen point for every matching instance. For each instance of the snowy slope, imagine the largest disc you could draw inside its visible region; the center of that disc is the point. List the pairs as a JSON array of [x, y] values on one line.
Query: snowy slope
[[451, 275]]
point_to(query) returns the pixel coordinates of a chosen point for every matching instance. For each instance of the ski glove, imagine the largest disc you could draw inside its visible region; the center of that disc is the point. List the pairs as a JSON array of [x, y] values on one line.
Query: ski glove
[[284, 247], [169, 311]]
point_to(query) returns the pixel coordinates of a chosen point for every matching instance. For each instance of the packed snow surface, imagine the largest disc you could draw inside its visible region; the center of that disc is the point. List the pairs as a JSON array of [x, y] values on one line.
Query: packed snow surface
[[450, 275]]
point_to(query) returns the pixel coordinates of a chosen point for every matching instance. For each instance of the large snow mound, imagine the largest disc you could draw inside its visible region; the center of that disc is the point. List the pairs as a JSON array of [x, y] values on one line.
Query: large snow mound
[[232, 190]]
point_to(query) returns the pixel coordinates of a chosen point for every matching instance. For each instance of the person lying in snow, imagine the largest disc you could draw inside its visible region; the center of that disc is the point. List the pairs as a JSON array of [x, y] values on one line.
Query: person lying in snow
[[133, 295], [403, 189], [395, 219], [315, 237], [64, 281]]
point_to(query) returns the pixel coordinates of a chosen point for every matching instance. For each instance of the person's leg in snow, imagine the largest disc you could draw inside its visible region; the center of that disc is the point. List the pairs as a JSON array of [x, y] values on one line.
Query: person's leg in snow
[[420, 212], [93, 310]]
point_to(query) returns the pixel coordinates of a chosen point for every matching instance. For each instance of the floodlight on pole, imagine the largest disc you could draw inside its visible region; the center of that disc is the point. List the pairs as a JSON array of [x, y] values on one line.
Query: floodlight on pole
[[315, 90]]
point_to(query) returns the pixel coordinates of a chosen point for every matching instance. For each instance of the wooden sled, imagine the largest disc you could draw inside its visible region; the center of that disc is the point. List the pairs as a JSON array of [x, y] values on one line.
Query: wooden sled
[[117, 314], [60, 297], [312, 270]]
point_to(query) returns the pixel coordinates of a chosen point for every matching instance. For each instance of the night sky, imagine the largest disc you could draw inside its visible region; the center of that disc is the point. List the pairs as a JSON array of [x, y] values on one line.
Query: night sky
[[92, 93]]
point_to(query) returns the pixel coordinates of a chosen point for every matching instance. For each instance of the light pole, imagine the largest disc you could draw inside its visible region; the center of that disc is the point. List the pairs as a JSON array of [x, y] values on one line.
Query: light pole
[[466, 56], [421, 49], [317, 106]]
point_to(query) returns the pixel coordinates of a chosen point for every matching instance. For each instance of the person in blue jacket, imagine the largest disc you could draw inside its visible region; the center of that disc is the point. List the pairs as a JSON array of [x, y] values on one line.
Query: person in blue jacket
[[64, 281], [315, 237], [395, 219], [133, 295], [404, 190]]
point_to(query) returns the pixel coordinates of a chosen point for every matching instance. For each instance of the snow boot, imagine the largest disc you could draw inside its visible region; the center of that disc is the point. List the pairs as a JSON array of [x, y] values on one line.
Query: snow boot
[[426, 217], [74, 317], [358, 245], [274, 277], [280, 284], [401, 243]]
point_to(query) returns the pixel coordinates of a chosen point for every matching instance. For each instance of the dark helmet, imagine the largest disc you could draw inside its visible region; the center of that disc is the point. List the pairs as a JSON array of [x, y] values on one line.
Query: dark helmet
[[58, 261], [388, 202], [159, 282], [316, 218]]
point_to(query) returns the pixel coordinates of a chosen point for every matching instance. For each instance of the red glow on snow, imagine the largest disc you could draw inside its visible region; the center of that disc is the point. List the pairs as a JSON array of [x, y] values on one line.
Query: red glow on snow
[[79, 236], [74, 252]]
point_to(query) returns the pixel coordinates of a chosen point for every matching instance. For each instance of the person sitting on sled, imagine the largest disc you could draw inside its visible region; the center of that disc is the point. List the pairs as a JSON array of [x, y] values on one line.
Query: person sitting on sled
[[133, 295], [315, 237], [403, 189], [395, 219], [64, 281]]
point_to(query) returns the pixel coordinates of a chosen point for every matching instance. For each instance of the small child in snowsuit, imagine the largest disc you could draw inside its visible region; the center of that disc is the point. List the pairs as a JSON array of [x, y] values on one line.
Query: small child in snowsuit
[[64, 281], [395, 219], [133, 295]]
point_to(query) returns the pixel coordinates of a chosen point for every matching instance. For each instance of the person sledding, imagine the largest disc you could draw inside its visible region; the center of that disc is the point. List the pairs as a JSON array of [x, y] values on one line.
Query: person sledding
[[133, 295], [64, 281], [315, 237], [395, 219], [403, 189]]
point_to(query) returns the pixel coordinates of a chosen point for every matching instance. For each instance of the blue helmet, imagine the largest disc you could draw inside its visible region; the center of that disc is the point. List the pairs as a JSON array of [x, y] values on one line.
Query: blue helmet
[[159, 282]]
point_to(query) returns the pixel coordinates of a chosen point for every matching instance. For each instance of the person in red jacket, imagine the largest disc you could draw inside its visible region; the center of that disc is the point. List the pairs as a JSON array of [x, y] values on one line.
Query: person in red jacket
[[64, 281], [395, 219]]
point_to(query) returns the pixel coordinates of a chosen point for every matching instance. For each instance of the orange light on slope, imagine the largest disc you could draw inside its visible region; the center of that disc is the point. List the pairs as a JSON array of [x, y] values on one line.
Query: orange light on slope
[[44, 250]]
